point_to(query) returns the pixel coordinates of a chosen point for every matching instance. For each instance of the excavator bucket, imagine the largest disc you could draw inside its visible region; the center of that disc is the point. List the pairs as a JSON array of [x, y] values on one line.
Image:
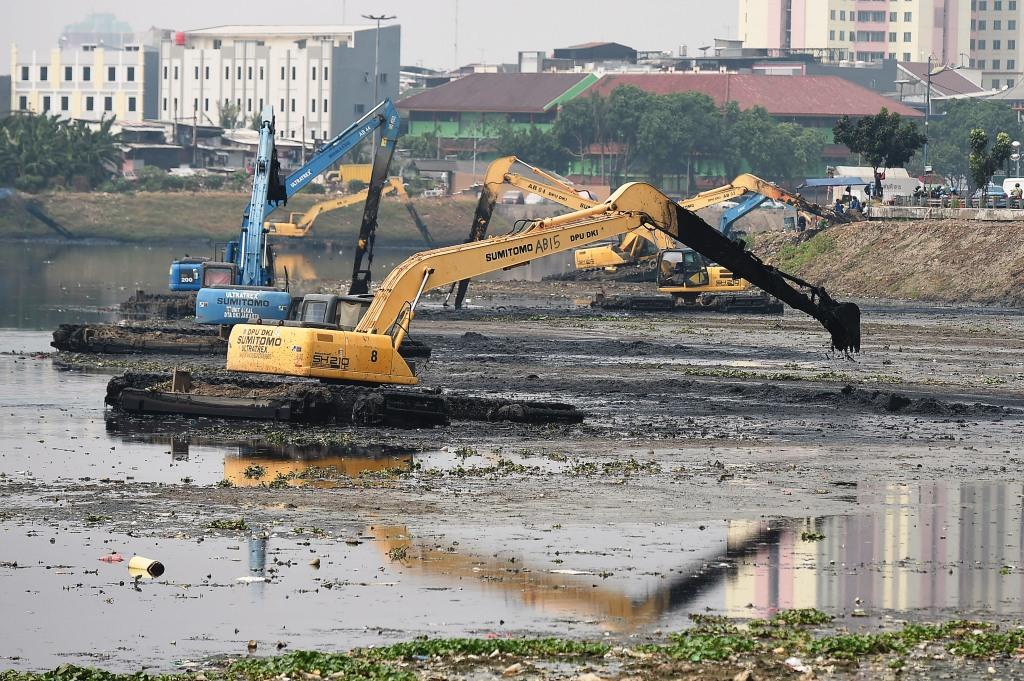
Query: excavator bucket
[[845, 328]]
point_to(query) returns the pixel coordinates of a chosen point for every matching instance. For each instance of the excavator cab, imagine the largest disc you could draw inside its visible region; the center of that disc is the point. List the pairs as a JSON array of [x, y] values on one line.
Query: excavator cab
[[320, 310], [218, 274], [682, 268]]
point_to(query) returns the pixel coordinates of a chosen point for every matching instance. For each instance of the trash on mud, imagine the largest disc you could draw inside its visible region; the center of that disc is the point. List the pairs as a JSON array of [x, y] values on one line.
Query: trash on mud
[[112, 558], [148, 566]]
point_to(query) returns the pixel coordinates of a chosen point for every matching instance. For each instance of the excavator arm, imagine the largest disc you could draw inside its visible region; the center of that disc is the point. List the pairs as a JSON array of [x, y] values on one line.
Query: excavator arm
[[395, 183], [369, 352]]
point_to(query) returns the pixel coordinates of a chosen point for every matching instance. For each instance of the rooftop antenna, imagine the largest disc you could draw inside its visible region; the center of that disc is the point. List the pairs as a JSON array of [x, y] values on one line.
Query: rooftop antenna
[[455, 65]]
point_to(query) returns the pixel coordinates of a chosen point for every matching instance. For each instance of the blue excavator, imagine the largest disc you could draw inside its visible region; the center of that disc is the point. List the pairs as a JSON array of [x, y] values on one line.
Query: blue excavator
[[244, 285]]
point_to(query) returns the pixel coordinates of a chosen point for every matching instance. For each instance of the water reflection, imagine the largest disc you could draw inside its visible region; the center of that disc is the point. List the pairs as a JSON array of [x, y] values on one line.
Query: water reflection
[[935, 546]]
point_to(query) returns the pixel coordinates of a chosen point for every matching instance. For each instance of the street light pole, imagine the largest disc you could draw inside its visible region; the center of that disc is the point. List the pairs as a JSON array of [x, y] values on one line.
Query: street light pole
[[927, 111], [376, 54]]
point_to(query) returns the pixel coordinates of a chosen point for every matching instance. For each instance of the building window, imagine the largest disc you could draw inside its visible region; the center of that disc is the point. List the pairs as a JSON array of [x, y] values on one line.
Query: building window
[[906, 56], [1009, 82], [129, 74], [239, 72], [64, 104], [997, 5], [282, 78], [997, 25], [111, 74], [23, 103], [908, 16], [892, 37], [832, 15], [996, 44], [314, 73], [325, 106], [86, 73], [249, 73], [1011, 25], [227, 73], [983, 5], [24, 73], [165, 73], [906, 37], [293, 105], [1012, 5], [360, 109], [892, 16], [175, 73], [982, 25], [831, 35], [108, 103], [69, 73], [384, 76], [195, 104], [293, 73], [1011, 64], [44, 73], [312, 105], [1011, 44], [46, 104], [206, 72], [261, 105], [281, 108], [981, 63], [995, 83], [842, 35], [90, 104], [248, 104], [206, 104], [261, 73], [131, 104], [995, 64], [842, 15], [973, 44], [981, 44], [195, 72]]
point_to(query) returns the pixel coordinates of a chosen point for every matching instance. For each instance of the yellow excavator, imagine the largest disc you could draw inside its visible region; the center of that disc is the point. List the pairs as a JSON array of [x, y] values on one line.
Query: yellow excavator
[[644, 245], [299, 225], [362, 341], [500, 173]]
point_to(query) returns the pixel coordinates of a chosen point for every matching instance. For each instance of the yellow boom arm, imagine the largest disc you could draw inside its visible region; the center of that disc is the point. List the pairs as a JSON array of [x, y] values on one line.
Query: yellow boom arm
[[369, 353], [300, 224]]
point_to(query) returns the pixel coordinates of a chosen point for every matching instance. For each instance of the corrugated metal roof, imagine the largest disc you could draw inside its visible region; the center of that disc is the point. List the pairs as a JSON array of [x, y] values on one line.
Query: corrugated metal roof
[[797, 96], [945, 83], [502, 92]]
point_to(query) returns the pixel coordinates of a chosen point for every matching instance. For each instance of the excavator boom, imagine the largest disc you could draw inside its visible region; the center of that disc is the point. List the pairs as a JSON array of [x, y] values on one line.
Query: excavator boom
[[369, 352]]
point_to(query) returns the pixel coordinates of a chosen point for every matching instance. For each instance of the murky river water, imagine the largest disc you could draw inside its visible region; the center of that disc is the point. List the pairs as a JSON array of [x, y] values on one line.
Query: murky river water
[[932, 548]]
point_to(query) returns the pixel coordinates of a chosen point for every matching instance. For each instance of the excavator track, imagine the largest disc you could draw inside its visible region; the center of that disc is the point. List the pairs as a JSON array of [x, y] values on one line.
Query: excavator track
[[221, 394], [170, 305]]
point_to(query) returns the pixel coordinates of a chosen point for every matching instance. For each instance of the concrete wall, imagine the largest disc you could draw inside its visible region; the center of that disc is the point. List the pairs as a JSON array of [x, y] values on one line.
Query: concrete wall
[[352, 75]]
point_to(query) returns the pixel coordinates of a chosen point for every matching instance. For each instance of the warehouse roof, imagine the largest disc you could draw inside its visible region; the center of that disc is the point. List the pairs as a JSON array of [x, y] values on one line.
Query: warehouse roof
[[498, 92], [796, 96]]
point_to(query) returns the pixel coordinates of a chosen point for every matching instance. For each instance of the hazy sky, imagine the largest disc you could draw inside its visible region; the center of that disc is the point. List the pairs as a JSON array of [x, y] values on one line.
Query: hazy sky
[[488, 31]]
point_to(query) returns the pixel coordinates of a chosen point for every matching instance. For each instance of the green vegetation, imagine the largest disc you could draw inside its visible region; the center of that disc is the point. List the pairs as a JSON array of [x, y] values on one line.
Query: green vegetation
[[884, 140], [238, 525], [40, 151], [710, 640], [793, 258], [985, 162], [949, 135]]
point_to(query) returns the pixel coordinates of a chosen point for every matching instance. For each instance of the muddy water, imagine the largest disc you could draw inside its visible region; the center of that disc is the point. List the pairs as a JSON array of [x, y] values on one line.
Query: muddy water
[[933, 550], [48, 284]]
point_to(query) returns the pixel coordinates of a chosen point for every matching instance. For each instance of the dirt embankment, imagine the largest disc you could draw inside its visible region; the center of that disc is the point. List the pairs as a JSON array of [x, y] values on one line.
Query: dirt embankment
[[931, 260], [176, 217]]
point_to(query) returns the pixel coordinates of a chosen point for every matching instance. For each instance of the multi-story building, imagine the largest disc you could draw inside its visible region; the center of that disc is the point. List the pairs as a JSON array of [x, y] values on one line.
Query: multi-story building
[[87, 82], [318, 78], [860, 30], [996, 46]]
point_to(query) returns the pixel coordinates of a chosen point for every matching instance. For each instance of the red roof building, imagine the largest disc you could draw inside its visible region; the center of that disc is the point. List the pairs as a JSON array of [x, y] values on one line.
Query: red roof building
[[817, 101]]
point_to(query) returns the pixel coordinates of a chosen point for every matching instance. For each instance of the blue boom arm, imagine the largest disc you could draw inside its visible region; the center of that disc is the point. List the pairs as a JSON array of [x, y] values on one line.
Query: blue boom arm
[[254, 263], [733, 214]]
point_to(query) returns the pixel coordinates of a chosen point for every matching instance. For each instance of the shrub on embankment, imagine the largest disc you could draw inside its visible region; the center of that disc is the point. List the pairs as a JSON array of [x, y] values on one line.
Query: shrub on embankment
[[926, 260], [154, 217]]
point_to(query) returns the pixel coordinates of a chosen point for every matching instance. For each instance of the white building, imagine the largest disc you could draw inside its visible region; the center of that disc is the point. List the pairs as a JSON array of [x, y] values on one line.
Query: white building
[[87, 82], [318, 78]]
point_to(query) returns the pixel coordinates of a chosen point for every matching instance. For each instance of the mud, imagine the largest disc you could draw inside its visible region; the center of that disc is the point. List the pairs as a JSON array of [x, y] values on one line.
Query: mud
[[725, 464]]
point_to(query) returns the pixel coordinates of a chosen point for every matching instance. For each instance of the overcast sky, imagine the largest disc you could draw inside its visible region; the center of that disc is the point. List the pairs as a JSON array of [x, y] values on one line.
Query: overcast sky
[[488, 31]]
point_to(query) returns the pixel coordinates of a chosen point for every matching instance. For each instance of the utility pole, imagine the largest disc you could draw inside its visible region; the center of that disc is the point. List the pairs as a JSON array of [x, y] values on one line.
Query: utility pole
[[195, 136], [376, 55]]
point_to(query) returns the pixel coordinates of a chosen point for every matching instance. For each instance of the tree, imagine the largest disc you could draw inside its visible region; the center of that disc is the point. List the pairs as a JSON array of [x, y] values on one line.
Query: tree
[[228, 115], [884, 140], [534, 146], [581, 123], [422, 146], [675, 130], [985, 162], [949, 136]]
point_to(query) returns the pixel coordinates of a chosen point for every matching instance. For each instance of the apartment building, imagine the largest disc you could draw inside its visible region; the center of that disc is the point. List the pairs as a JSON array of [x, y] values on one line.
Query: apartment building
[[86, 82], [318, 78], [996, 46], [860, 30]]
